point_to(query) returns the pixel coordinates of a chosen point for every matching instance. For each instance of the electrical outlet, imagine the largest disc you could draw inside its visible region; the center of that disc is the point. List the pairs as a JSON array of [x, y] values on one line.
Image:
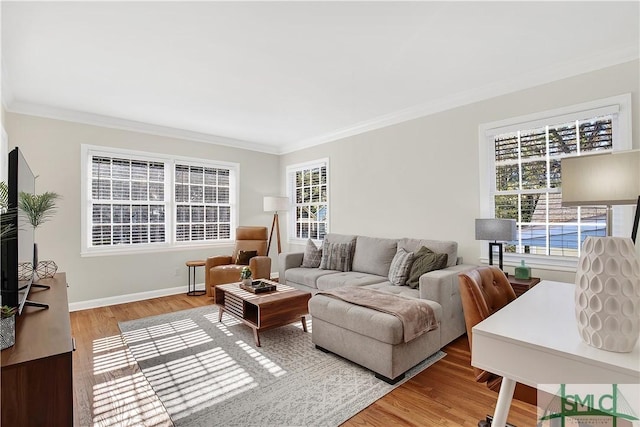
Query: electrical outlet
[[177, 272]]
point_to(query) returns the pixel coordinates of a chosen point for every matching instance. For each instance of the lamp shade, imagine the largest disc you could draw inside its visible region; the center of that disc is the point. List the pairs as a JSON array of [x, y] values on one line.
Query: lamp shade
[[275, 203], [495, 229], [601, 179]]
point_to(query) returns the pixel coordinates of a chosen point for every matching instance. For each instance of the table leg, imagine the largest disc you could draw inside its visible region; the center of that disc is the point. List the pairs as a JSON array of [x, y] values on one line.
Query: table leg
[[504, 402], [304, 323], [220, 314], [189, 292], [191, 281], [256, 337]]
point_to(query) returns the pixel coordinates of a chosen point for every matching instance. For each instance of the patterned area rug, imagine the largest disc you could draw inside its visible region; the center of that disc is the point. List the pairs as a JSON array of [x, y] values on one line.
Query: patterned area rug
[[208, 373]]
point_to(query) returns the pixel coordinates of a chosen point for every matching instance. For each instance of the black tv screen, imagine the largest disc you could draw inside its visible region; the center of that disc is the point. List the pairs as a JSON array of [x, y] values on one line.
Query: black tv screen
[[17, 248]]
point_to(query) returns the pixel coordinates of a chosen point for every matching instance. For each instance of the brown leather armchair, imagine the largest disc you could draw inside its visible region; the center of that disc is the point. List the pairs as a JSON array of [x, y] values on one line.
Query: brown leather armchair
[[223, 269], [484, 291]]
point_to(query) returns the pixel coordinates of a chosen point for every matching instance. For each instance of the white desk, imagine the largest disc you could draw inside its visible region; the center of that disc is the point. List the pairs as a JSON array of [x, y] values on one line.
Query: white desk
[[534, 340]]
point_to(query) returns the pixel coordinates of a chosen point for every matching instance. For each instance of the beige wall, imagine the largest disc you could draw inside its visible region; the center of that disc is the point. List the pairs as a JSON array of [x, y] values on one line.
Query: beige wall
[[416, 179], [52, 148], [420, 178]]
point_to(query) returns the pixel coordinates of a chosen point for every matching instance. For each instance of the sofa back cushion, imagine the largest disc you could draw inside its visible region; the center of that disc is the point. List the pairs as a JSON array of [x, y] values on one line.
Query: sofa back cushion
[[425, 260], [336, 256], [373, 255], [340, 238], [400, 267], [312, 255], [438, 246]]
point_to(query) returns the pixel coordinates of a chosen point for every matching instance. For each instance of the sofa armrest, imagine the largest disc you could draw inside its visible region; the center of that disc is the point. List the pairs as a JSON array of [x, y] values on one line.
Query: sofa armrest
[[287, 260], [217, 260], [208, 265], [438, 285], [260, 267], [441, 286]]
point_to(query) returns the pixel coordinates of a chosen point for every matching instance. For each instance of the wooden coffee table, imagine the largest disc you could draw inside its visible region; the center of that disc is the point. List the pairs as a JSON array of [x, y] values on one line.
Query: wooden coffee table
[[263, 311]]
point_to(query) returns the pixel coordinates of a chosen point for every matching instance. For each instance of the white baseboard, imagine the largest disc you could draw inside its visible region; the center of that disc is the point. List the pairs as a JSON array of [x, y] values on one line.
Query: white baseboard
[[139, 296]]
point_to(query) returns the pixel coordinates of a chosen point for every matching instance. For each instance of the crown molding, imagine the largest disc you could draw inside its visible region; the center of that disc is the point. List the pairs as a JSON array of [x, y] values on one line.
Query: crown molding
[[522, 82], [134, 126]]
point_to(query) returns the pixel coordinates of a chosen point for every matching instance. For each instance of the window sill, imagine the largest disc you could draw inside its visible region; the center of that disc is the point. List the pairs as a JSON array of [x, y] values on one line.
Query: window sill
[[94, 252], [537, 262]]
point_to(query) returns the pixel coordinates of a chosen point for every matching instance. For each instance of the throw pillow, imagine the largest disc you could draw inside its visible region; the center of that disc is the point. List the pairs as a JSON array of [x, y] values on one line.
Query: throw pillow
[[244, 257], [400, 267], [336, 256], [424, 261], [312, 255]]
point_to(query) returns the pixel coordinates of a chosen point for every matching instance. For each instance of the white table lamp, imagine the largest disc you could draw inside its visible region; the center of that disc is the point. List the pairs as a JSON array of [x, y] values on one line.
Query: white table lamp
[[602, 180], [607, 292]]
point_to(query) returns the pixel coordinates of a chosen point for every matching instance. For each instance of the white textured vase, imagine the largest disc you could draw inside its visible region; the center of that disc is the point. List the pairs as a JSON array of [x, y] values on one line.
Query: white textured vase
[[608, 293]]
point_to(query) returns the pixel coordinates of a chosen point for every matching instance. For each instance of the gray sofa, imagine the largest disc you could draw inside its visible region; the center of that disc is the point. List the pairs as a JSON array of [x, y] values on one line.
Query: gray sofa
[[370, 338]]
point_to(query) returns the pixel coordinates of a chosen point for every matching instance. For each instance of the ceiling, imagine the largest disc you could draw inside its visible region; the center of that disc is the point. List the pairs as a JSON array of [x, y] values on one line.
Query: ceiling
[[279, 76]]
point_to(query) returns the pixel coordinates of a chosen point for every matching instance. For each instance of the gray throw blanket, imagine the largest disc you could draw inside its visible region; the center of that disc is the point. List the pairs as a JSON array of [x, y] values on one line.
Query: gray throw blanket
[[416, 315]]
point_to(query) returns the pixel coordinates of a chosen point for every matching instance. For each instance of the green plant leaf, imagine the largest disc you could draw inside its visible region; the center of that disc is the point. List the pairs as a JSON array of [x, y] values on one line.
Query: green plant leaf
[[39, 208], [6, 311]]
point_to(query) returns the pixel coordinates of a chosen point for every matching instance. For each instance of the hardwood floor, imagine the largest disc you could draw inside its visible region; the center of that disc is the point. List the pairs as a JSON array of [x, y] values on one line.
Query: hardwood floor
[[109, 389]]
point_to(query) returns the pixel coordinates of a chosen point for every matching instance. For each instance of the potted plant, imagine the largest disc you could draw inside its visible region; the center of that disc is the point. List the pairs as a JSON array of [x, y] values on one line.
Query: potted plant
[[245, 276], [39, 208], [7, 326]]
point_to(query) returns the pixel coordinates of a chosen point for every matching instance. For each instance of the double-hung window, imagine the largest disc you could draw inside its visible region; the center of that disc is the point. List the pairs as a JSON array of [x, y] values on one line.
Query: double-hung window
[[308, 188], [203, 202], [145, 201], [521, 158]]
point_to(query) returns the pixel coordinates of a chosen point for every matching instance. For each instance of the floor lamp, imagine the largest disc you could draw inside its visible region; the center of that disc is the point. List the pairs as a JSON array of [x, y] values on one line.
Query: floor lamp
[[275, 204]]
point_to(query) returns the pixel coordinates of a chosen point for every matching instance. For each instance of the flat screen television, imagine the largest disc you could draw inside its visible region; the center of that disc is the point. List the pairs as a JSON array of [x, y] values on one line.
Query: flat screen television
[[17, 248]]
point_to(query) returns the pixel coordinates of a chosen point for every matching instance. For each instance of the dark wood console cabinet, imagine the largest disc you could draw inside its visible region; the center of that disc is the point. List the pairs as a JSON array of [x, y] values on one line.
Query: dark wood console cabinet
[[37, 384]]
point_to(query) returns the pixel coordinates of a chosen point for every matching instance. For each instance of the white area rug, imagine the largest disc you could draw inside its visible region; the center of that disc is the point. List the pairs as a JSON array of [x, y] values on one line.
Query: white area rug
[[208, 373]]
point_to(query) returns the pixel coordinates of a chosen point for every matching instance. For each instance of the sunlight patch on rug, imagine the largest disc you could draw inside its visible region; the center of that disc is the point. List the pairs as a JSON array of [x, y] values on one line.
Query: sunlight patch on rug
[[126, 400], [207, 373]]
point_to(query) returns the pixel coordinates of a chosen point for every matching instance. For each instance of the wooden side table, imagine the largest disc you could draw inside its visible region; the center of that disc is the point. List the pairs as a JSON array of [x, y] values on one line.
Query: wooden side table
[[191, 266], [520, 286]]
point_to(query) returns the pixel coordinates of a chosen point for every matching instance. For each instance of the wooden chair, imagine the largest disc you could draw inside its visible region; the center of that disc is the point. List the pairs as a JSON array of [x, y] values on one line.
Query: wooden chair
[[225, 269], [484, 291]]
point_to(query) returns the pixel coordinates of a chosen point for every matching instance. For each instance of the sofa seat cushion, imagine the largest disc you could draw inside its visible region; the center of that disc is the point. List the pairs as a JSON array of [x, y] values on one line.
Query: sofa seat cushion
[[306, 276], [407, 292], [383, 327], [403, 291], [365, 321], [374, 255], [347, 278]]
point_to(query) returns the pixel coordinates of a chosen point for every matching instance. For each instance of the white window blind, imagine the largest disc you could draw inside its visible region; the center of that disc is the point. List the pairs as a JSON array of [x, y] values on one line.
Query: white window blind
[[138, 201], [203, 206], [128, 203], [528, 184], [308, 186], [521, 179]]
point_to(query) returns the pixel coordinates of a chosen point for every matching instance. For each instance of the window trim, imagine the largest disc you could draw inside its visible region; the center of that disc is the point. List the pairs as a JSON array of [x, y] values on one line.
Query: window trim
[[291, 223], [169, 161], [486, 131]]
